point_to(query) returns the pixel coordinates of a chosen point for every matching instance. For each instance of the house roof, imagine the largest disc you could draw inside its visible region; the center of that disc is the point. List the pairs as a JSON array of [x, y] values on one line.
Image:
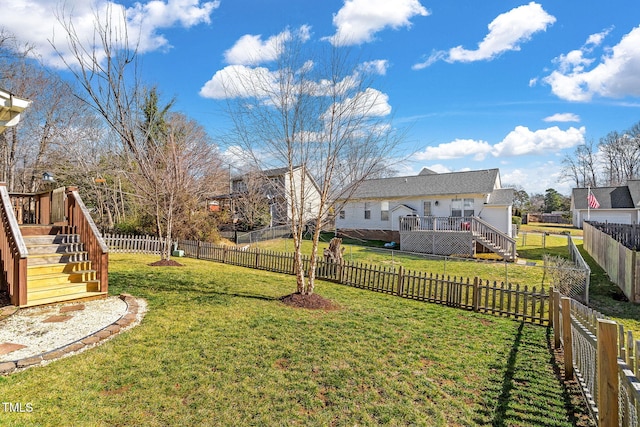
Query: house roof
[[622, 197], [429, 184], [10, 108], [501, 197]]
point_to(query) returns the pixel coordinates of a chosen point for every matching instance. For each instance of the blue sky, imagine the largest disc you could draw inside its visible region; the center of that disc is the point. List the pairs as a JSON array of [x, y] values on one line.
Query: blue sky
[[513, 85]]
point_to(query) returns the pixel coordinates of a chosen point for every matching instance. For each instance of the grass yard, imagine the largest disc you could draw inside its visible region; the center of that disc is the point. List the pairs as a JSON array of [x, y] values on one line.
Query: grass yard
[[530, 249], [218, 348]]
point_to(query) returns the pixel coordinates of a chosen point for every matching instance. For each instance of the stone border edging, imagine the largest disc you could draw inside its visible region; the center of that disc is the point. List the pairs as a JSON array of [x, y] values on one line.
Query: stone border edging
[[134, 314]]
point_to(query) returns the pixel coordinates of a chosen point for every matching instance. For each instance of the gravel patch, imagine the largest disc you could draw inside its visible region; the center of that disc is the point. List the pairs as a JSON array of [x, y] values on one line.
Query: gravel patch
[[27, 326]]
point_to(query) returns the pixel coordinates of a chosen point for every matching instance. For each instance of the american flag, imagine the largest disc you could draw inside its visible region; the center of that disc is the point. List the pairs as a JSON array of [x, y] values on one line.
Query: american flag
[[591, 199]]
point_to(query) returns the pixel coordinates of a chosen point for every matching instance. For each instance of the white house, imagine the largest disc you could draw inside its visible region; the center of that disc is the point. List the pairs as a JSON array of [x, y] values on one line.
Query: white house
[[273, 187], [376, 206], [620, 205]]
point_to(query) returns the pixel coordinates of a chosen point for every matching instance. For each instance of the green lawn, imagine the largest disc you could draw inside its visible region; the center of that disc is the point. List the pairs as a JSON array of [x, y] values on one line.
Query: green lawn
[[531, 248], [218, 348]]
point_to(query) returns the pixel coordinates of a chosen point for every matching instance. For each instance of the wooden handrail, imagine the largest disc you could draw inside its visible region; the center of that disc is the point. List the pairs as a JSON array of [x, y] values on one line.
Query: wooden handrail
[[81, 222], [491, 233], [13, 252]]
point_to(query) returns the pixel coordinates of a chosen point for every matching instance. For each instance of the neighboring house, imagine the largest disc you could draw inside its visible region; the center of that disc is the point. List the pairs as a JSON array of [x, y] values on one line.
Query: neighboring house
[[272, 187], [439, 202], [620, 205], [10, 108]]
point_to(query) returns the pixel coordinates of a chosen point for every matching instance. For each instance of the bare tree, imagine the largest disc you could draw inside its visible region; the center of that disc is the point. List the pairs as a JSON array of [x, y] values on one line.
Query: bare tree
[[250, 203], [621, 157], [318, 112], [169, 157], [581, 167]]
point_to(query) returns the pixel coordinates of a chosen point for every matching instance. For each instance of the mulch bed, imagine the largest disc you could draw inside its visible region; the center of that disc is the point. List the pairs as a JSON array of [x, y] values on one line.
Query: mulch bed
[[311, 302], [166, 263]]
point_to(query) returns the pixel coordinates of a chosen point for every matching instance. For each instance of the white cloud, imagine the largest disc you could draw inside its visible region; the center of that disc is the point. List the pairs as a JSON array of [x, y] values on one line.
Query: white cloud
[[523, 141], [359, 20], [455, 150], [519, 142], [616, 75], [563, 117], [506, 32], [252, 50], [597, 38], [231, 82], [537, 178], [378, 66], [143, 20], [369, 103]]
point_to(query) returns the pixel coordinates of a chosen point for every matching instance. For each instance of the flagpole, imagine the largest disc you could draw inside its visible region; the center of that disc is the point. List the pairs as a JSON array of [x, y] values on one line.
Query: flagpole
[[588, 204]]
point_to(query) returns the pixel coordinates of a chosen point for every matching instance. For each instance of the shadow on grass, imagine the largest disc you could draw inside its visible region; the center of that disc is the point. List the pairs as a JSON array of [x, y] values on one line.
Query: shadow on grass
[[507, 382], [571, 393], [199, 292], [519, 395]]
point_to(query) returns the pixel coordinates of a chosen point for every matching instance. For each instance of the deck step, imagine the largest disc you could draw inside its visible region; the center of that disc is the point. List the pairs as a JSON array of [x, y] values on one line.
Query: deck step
[[55, 248], [50, 239], [39, 230], [40, 259], [62, 289], [43, 280], [58, 267], [82, 296]]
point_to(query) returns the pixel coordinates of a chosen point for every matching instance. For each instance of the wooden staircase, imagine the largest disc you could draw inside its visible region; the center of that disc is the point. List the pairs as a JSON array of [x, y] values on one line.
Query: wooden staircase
[[493, 239], [58, 267]]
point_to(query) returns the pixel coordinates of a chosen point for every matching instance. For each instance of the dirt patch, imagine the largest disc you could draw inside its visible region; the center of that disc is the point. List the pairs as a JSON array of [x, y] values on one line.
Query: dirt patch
[[166, 263], [311, 302]]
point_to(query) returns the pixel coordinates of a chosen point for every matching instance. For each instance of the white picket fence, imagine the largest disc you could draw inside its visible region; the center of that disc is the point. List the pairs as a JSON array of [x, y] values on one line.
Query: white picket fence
[[134, 244]]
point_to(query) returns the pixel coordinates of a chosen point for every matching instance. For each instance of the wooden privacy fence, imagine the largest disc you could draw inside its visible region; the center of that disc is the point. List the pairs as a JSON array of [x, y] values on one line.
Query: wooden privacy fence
[[604, 359], [621, 263], [484, 296], [134, 244]]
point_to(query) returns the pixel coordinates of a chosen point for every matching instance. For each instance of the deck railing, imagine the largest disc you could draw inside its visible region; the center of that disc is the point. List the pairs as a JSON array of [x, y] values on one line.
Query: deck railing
[[13, 252], [80, 222], [434, 223], [479, 229]]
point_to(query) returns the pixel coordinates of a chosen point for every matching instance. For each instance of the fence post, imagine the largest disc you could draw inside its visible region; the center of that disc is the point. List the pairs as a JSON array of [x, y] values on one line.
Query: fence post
[[257, 263], [552, 319], [566, 338], [476, 293], [607, 371], [400, 280], [198, 243], [556, 316], [224, 255]]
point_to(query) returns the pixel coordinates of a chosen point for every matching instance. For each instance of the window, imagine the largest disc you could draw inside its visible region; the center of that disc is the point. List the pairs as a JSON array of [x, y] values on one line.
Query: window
[[367, 210], [468, 207], [384, 211], [427, 208], [342, 215], [456, 207]]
